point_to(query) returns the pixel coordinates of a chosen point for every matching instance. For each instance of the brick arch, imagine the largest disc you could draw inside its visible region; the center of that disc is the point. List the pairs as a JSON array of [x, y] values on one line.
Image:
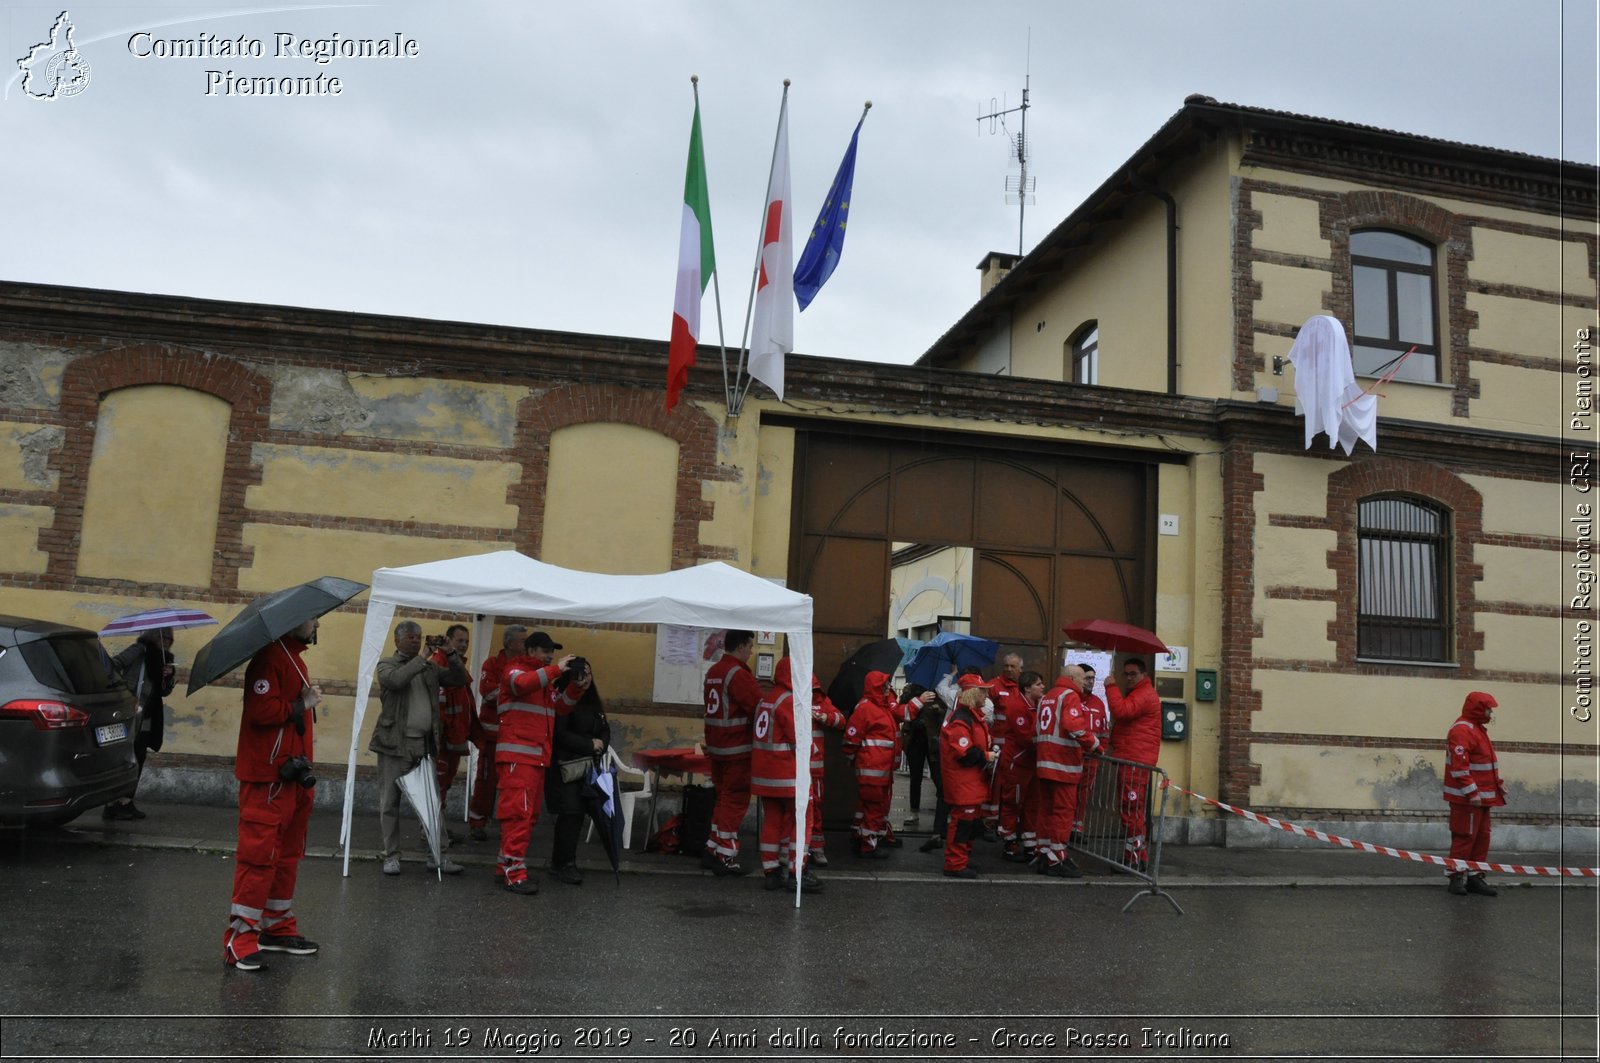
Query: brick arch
[[694, 430], [1452, 237], [1428, 482], [89, 379]]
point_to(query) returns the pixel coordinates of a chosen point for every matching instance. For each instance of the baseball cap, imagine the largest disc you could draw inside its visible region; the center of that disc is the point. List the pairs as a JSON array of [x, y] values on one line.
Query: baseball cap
[[541, 641], [969, 682]]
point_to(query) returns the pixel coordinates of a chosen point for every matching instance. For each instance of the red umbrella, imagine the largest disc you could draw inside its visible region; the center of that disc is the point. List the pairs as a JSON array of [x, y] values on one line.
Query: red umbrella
[[1116, 636]]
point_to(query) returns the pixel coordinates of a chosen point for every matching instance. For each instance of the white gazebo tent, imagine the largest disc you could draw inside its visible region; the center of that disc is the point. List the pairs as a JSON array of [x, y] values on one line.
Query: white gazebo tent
[[510, 584]]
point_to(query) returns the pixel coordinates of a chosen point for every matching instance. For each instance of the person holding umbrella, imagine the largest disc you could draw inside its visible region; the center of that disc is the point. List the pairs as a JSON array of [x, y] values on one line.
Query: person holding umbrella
[[1136, 721], [273, 767], [580, 739], [147, 666], [408, 729]]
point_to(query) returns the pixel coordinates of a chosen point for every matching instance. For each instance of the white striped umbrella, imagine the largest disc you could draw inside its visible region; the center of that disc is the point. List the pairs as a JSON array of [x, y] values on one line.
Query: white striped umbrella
[[150, 619]]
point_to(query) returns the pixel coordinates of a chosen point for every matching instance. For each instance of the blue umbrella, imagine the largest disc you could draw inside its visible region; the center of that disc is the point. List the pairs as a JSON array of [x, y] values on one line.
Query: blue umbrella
[[934, 660]]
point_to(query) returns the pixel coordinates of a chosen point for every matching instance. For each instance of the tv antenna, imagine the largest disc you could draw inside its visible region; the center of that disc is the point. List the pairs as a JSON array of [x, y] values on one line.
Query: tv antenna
[[1019, 188]]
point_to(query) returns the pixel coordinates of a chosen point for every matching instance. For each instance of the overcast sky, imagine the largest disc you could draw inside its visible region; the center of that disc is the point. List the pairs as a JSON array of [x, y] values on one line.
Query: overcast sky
[[526, 168]]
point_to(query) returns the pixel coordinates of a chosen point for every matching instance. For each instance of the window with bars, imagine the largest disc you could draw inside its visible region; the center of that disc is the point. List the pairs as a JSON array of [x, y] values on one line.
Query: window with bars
[[1394, 288], [1404, 608]]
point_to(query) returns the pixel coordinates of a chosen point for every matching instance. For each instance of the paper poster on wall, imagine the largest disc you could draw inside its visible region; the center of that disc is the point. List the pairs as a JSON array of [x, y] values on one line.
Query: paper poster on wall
[[682, 656], [1099, 660]]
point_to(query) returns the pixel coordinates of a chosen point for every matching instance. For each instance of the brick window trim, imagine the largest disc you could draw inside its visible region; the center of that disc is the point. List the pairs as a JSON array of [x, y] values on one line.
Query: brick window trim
[[1464, 507]]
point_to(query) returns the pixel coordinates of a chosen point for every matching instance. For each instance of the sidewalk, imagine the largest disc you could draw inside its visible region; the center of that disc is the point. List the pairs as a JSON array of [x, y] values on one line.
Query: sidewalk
[[212, 829]]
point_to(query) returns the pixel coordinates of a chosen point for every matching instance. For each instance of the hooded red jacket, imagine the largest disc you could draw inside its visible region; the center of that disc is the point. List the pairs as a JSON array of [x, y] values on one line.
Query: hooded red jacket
[[267, 734], [1135, 721], [772, 754], [1471, 769], [873, 734]]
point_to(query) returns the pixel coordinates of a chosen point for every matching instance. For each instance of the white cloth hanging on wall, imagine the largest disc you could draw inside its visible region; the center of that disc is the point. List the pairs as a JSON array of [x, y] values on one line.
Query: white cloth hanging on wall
[[1326, 389]]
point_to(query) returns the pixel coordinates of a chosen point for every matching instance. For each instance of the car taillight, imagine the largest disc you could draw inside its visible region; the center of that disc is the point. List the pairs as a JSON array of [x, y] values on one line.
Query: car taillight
[[45, 715]]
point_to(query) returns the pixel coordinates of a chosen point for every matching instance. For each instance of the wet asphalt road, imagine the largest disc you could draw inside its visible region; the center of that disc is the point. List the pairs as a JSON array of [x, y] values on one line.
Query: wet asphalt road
[[412, 967]]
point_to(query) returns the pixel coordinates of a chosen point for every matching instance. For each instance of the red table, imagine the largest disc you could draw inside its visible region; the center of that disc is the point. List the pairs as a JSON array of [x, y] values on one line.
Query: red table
[[681, 760]]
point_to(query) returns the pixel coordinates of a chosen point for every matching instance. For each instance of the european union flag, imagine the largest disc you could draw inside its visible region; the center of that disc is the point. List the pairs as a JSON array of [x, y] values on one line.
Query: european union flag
[[826, 243]]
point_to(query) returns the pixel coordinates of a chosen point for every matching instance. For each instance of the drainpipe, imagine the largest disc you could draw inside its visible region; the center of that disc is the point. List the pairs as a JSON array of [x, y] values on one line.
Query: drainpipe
[[1172, 276]]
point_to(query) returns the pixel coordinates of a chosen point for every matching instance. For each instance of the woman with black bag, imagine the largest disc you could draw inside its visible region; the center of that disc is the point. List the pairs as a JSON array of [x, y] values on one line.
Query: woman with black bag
[[580, 740]]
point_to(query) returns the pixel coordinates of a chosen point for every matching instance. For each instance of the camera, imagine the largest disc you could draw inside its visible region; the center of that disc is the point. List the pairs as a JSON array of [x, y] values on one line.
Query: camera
[[297, 770], [435, 642], [575, 670]]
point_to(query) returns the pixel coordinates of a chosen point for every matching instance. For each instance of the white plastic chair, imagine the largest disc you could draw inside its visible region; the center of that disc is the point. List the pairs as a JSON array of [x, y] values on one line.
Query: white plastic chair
[[629, 798]]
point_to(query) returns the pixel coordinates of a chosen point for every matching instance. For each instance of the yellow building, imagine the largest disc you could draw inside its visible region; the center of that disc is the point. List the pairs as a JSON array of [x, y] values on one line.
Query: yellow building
[[1106, 432]]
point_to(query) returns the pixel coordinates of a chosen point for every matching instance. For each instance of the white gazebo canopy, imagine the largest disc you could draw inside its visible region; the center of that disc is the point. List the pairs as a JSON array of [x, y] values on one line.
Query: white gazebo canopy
[[510, 584]]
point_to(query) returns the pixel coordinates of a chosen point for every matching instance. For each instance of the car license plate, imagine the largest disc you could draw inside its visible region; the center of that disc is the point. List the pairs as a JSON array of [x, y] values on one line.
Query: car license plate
[[111, 732]]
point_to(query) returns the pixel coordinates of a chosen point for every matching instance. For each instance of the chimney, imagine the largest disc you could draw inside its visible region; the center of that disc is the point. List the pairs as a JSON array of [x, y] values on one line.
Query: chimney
[[993, 268]]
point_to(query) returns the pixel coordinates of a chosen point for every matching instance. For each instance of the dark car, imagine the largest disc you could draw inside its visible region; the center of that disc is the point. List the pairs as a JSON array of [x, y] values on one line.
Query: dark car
[[67, 722]]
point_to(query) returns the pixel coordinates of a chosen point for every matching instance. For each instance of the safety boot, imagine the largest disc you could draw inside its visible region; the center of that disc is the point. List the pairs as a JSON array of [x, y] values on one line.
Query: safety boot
[[1480, 885], [1458, 885]]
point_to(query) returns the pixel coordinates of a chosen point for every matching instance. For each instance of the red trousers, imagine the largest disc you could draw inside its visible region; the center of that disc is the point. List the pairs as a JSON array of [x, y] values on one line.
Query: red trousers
[[815, 839], [1017, 802], [445, 766], [1091, 765], [272, 839], [966, 823], [872, 815], [1133, 784], [1469, 834], [517, 808], [482, 807], [1056, 802], [732, 780], [777, 831]]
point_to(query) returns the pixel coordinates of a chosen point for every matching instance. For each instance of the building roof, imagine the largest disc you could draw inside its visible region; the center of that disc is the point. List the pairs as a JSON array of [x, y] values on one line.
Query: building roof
[[1285, 140]]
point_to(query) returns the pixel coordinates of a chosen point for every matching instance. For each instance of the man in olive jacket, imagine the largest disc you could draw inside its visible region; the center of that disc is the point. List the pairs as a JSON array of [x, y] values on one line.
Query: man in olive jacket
[[408, 728]]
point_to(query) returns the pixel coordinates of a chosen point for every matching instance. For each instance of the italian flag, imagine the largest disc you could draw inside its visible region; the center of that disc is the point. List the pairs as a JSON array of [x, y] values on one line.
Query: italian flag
[[696, 263]]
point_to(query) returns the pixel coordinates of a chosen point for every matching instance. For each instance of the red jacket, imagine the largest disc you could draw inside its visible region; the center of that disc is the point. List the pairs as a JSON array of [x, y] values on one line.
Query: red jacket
[[267, 736], [731, 696], [456, 709], [489, 691], [872, 736], [772, 758], [528, 706], [1006, 695], [963, 752], [1099, 721], [1136, 721], [824, 717], [1016, 747], [1063, 736], [1471, 768]]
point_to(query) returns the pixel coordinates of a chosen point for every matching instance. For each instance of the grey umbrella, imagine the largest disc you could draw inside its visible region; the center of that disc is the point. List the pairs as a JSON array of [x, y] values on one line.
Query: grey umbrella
[[264, 621]]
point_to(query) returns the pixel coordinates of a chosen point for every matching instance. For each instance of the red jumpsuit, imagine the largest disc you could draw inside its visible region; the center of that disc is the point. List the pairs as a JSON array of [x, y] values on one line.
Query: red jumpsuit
[[731, 697], [1006, 696], [1100, 724], [1136, 721], [1016, 776], [528, 706], [456, 709], [963, 761], [1063, 737], [1471, 781], [772, 769], [871, 741], [484, 734], [824, 716], [273, 812]]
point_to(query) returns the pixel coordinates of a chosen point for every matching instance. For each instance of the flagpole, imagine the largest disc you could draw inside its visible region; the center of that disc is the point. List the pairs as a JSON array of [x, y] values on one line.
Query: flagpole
[[716, 286], [736, 397]]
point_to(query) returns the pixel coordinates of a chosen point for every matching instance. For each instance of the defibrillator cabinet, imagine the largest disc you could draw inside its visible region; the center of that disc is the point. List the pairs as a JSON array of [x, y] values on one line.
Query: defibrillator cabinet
[[1174, 720]]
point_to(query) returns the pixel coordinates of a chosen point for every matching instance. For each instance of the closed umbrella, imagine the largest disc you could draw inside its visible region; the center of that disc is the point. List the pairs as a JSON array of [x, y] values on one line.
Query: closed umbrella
[[599, 796], [266, 620], [421, 788]]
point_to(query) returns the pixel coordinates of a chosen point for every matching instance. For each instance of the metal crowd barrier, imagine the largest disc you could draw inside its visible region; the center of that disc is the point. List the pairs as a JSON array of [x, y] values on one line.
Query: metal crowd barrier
[[1109, 823]]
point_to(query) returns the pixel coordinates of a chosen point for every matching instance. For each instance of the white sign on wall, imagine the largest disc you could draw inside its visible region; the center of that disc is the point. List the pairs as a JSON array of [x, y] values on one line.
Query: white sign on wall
[[1176, 659]]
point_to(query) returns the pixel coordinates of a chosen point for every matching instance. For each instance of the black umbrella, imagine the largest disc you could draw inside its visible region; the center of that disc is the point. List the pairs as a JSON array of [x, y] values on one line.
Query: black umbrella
[[608, 825], [266, 620], [884, 656]]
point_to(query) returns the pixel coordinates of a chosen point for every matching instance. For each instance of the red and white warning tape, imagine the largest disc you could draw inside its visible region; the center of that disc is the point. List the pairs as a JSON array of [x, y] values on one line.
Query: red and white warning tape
[[1405, 854]]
